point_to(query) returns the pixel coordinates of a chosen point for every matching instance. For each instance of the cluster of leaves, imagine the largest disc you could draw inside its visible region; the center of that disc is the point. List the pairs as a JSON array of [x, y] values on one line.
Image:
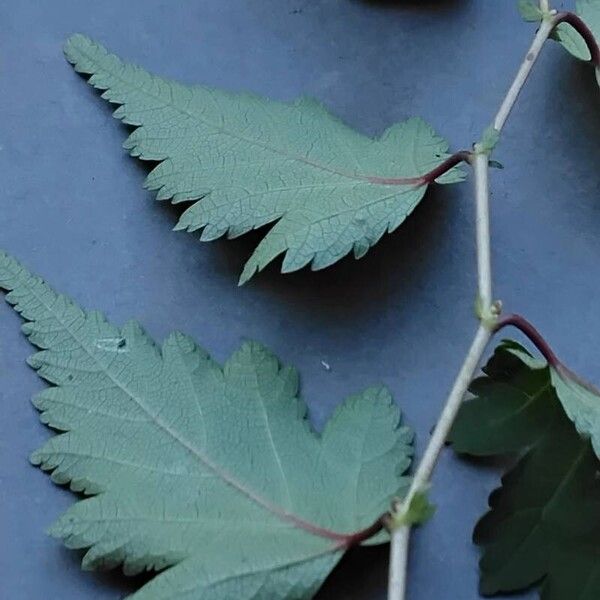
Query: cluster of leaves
[[544, 522], [213, 474], [587, 10], [212, 471]]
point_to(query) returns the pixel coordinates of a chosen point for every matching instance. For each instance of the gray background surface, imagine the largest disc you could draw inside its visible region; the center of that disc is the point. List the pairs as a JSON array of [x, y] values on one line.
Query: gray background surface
[[73, 209]]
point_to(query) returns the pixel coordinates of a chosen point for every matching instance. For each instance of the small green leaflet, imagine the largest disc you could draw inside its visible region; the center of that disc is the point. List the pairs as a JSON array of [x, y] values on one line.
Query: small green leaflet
[[530, 11], [589, 11], [419, 511], [544, 522], [210, 473], [248, 162]]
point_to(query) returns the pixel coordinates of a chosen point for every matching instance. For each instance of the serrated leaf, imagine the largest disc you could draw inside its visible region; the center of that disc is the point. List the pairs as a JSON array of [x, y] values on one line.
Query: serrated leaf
[[589, 11], [248, 162], [530, 11], [544, 522], [580, 400], [581, 403], [210, 473]]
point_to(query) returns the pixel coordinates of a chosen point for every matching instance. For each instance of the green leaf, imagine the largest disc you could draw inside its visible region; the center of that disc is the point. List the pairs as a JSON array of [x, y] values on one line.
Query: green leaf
[[589, 11], [544, 522], [581, 403], [580, 400], [419, 511], [530, 11], [248, 162], [211, 473]]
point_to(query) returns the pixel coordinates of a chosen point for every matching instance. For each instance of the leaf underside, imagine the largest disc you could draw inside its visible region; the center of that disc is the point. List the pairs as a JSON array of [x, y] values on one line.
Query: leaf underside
[[210, 473], [589, 11], [543, 526], [246, 161]]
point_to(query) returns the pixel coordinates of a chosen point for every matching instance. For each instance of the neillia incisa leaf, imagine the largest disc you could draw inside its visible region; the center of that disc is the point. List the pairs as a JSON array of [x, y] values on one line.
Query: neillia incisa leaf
[[249, 161], [589, 11], [544, 522], [210, 473]]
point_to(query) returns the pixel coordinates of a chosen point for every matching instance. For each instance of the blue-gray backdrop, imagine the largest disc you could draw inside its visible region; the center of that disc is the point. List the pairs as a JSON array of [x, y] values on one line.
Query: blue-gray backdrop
[[73, 209]]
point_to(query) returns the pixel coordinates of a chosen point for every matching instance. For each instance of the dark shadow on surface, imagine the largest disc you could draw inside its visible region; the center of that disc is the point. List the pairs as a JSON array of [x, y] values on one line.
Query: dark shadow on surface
[[372, 565], [349, 287], [578, 85], [500, 463]]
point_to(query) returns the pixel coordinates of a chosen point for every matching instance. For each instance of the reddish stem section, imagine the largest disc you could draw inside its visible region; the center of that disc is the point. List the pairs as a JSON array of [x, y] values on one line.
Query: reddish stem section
[[584, 31], [427, 178], [356, 538], [342, 540], [524, 326]]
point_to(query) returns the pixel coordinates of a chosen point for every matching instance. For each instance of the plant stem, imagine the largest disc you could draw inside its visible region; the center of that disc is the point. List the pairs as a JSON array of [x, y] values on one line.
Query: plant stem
[[530, 59], [449, 163], [362, 535], [534, 336], [544, 6], [482, 230], [523, 325], [427, 178], [400, 537]]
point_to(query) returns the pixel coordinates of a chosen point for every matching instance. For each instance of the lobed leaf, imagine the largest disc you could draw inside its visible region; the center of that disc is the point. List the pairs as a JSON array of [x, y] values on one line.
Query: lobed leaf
[[543, 526], [247, 162], [211, 474]]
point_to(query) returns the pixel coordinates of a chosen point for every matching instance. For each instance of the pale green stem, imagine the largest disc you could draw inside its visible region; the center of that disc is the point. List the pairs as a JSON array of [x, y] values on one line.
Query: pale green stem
[[400, 537]]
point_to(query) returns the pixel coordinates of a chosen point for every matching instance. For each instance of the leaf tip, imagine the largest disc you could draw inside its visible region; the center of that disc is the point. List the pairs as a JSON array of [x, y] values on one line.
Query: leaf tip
[[247, 274], [35, 458], [73, 44]]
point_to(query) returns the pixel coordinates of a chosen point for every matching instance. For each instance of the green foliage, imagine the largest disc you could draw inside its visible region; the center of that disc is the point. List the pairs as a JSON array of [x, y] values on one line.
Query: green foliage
[[211, 473], [419, 511], [530, 11], [589, 11], [544, 522], [249, 162], [580, 401]]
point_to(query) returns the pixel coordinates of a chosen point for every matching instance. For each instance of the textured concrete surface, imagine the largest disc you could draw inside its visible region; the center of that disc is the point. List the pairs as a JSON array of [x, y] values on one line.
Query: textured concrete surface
[[73, 209]]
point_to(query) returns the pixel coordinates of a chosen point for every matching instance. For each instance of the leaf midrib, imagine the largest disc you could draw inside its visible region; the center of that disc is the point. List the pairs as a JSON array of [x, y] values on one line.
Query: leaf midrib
[[543, 508], [373, 179], [531, 399], [307, 526]]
